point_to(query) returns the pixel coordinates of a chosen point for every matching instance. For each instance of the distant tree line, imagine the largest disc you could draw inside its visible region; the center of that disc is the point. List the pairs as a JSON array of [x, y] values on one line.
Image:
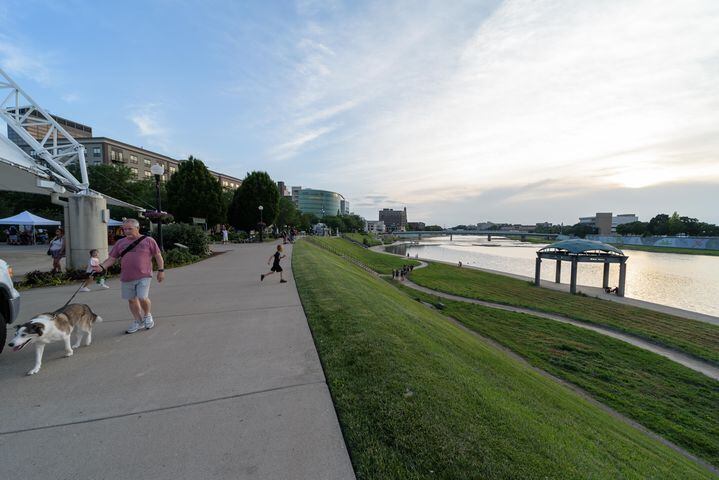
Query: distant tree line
[[664, 224]]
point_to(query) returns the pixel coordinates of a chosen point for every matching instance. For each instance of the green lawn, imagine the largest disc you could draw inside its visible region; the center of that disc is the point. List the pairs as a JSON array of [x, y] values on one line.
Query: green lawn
[[696, 338], [672, 400], [379, 262], [417, 397], [361, 238]]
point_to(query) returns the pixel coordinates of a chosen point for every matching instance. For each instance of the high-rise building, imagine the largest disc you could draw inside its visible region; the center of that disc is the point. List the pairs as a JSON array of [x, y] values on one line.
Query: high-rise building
[[394, 219], [605, 223], [284, 191]]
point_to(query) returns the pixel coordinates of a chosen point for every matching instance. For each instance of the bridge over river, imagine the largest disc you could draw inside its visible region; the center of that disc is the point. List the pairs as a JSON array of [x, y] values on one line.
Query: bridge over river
[[490, 233]]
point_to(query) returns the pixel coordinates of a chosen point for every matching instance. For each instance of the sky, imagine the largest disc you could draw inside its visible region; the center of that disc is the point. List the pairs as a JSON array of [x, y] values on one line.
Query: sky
[[462, 111]]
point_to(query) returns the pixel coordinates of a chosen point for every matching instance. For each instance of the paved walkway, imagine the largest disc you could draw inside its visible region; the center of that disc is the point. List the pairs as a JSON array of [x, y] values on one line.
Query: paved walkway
[[227, 385]]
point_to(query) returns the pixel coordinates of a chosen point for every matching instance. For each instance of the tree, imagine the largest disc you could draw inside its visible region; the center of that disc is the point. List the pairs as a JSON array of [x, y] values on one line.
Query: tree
[[288, 213], [675, 225], [257, 189], [659, 225], [307, 220], [581, 230], [193, 192], [632, 228]]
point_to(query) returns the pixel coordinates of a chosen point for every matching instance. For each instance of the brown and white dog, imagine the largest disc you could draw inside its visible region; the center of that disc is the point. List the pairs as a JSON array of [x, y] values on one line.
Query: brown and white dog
[[51, 327]]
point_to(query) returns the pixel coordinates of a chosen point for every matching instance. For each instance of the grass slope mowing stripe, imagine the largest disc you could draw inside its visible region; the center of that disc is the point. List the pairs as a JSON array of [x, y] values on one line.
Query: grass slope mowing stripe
[[690, 336], [667, 398], [420, 398], [379, 262]]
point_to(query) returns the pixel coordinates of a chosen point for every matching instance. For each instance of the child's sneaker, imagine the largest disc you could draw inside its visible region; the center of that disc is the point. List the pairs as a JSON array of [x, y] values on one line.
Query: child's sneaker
[[262, 277], [84, 289], [149, 322], [134, 326], [283, 281], [102, 285]]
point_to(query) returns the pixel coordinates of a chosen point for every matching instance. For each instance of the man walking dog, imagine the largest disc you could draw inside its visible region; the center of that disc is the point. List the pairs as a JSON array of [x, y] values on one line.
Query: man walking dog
[[135, 253]]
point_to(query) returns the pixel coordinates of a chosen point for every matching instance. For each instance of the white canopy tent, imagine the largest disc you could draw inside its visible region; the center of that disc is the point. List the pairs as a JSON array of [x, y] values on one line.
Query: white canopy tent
[[27, 218]]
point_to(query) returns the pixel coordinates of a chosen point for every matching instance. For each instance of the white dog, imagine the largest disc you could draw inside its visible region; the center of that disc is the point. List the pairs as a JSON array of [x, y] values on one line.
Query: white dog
[[51, 327]]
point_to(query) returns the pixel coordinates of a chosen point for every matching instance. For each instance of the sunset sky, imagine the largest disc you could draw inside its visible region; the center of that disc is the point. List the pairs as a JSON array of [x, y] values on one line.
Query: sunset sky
[[514, 111]]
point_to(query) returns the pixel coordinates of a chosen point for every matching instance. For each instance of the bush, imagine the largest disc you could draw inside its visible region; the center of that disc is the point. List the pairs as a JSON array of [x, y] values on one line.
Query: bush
[[193, 237], [179, 256]]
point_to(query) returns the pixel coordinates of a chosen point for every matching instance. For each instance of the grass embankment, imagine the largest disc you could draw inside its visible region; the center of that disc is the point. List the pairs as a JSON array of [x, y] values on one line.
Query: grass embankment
[[693, 337], [364, 239], [687, 251], [669, 399], [378, 262], [420, 398]]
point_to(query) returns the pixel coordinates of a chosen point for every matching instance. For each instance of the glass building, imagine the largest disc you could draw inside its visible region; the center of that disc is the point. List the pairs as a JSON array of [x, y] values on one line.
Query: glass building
[[320, 202]]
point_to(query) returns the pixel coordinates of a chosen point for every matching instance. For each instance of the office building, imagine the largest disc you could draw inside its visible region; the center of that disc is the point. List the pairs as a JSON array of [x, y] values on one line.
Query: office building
[[319, 202], [394, 220], [605, 223], [103, 150], [374, 226]]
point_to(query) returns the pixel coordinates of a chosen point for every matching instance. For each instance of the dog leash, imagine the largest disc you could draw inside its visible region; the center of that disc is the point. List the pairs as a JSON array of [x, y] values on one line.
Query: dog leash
[[84, 283]]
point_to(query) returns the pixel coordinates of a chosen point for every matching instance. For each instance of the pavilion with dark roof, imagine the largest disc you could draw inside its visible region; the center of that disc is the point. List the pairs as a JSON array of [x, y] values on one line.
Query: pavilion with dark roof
[[580, 250]]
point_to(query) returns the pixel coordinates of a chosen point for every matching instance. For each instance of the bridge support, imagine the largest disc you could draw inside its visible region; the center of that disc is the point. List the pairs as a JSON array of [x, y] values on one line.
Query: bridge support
[[489, 237], [537, 271], [85, 224]]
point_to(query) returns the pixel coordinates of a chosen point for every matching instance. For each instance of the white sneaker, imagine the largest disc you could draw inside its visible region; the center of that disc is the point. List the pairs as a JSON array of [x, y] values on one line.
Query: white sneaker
[[134, 326], [102, 285], [149, 322], [85, 289]]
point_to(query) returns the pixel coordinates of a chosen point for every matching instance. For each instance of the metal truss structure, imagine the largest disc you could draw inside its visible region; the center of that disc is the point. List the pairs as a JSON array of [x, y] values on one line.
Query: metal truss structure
[[21, 112]]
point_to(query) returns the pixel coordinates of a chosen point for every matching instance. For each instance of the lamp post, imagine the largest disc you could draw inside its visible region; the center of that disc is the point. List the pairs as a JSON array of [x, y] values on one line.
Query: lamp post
[[158, 170], [262, 225]]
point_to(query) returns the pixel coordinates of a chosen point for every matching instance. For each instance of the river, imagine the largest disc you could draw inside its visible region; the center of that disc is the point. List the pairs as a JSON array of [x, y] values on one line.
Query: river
[[690, 282]]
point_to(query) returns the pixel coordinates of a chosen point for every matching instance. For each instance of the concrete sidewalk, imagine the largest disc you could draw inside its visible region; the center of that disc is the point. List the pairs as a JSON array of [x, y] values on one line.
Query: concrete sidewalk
[[227, 385]]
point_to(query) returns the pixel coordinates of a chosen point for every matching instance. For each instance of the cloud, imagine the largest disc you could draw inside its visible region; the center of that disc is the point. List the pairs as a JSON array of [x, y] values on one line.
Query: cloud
[[71, 97], [150, 124], [566, 97], [20, 61]]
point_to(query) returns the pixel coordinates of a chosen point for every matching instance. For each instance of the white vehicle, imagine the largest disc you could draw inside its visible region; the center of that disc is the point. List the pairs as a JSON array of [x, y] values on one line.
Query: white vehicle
[[9, 301]]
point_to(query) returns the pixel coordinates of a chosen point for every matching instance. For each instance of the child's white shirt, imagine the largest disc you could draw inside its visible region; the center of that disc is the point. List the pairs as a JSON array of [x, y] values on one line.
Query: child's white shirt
[[92, 263]]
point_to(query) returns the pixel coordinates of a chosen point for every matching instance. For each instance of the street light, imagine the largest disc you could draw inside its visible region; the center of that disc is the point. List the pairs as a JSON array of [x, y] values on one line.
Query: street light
[[262, 225], [158, 170]]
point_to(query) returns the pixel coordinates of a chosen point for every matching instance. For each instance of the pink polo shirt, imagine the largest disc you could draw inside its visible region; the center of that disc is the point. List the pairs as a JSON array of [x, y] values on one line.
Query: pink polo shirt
[[137, 263]]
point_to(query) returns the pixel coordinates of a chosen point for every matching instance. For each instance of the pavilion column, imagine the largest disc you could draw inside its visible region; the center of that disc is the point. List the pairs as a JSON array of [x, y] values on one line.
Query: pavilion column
[[605, 277], [537, 270], [622, 277], [573, 281], [558, 274]]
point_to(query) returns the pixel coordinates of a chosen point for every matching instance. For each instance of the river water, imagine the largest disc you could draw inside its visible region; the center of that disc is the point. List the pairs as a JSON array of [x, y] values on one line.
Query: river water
[[690, 282]]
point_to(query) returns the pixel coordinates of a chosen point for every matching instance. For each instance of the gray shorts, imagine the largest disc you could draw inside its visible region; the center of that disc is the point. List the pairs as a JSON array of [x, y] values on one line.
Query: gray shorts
[[136, 288]]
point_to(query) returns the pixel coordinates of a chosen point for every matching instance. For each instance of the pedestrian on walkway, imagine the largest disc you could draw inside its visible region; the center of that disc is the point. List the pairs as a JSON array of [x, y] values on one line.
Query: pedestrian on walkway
[[57, 250], [225, 235], [277, 256], [135, 253]]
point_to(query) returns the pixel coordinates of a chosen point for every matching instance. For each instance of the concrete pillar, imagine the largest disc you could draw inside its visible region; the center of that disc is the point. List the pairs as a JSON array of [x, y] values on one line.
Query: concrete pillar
[[489, 237], [87, 217], [573, 280], [622, 277], [537, 271], [558, 275], [605, 276]]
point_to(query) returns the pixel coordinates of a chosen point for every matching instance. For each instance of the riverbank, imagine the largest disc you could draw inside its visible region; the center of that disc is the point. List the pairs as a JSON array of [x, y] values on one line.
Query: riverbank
[[413, 390]]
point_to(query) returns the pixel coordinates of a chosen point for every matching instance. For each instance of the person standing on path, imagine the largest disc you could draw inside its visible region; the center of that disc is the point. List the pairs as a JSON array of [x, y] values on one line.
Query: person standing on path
[[57, 250], [135, 253], [276, 265], [225, 235]]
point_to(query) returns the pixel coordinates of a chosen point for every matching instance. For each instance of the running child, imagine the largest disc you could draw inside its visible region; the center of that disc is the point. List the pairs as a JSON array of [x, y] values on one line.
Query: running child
[[276, 265]]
